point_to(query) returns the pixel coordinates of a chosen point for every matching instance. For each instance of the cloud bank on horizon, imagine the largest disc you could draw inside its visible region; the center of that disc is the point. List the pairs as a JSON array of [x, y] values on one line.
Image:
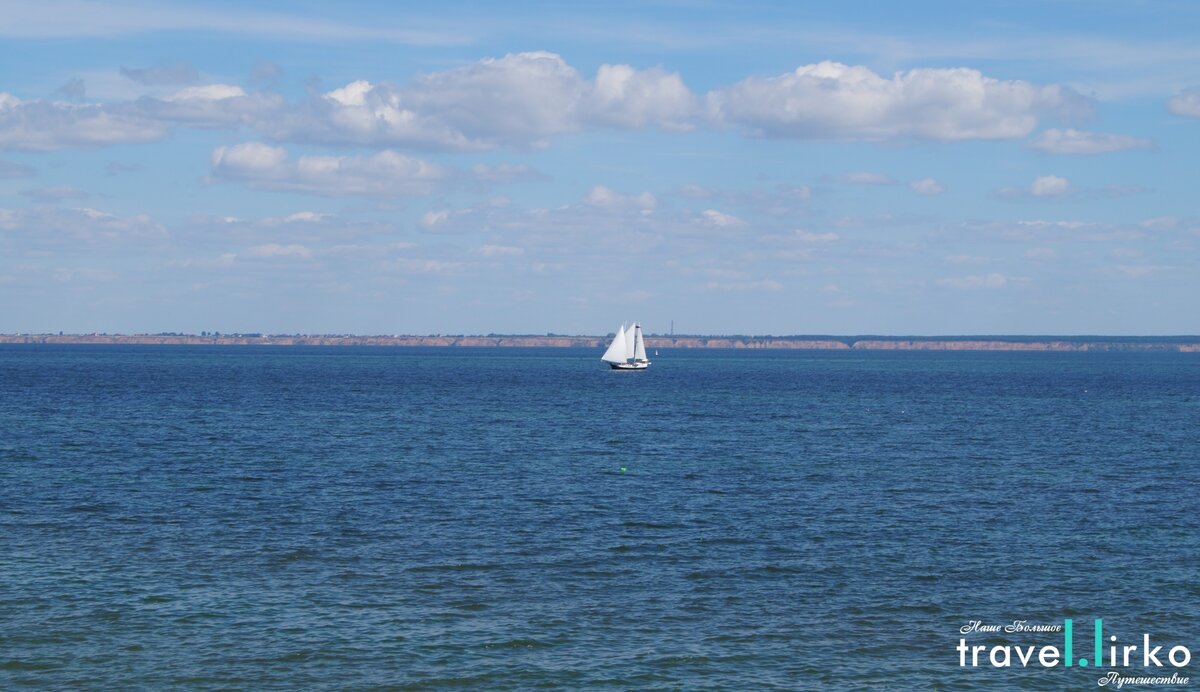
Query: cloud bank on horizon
[[261, 171]]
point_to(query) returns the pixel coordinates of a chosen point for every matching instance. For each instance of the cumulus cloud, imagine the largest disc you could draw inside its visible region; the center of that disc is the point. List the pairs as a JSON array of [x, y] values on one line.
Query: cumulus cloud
[[206, 92], [1071, 141], [926, 186], [212, 105], [837, 101], [622, 96], [1186, 103], [274, 250], [69, 229], [41, 125], [1042, 187], [48, 125], [810, 237], [1049, 186], [521, 100], [607, 198], [525, 100], [300, 217], [385, 174], [712, 217]]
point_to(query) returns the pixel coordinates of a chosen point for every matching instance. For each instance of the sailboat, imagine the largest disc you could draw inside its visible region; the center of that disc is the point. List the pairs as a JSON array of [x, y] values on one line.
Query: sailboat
[[627, 350]]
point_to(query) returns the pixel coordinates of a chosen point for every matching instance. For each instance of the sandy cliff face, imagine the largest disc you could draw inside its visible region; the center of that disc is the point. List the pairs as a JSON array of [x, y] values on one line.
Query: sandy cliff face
[[653, 342], [725, 342]]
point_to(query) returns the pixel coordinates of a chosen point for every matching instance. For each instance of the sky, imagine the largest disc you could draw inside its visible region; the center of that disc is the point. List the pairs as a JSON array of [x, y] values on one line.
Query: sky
[[934, 168]]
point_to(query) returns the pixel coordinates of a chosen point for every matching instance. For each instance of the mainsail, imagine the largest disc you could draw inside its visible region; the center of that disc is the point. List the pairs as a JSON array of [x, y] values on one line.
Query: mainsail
[[617, 351], [639, 345]]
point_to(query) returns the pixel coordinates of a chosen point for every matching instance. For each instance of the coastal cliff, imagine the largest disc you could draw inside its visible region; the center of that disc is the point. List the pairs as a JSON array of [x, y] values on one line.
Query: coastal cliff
[[1187, 344]]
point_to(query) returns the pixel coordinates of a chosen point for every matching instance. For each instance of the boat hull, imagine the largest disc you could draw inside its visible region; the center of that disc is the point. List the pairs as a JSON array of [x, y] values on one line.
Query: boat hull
[[630, 366]]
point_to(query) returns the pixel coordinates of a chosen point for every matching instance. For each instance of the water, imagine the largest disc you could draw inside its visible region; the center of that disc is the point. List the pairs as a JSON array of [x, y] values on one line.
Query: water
[[509, 519]]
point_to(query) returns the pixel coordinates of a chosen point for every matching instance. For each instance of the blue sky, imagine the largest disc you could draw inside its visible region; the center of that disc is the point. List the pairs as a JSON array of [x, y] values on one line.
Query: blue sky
[[754, 168]]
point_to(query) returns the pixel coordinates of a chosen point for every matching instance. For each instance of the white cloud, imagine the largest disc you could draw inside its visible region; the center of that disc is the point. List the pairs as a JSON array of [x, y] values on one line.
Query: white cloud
[[300, 217], [1186, 103], [993, 280], [501, 251], [406, 265], [273, 250], [833, 100], [926, 186], [622, 96], [607, 198], [432, 219], [1071, 141], [305, 217], [386, 174], [712, 217], [1049, 186], [213, 105], [69, 229], [48, 125], [809, 237], [864, 178], [1042, 187], [206, 92], [520, 100]]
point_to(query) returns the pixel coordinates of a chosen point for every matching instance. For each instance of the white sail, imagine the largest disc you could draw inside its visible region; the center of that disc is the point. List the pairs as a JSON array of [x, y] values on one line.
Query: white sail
[[629, 341], [639, 345], [617, 352]]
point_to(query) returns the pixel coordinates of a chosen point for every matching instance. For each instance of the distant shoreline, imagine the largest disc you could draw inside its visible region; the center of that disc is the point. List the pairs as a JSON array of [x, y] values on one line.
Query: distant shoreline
[[1181, 344]]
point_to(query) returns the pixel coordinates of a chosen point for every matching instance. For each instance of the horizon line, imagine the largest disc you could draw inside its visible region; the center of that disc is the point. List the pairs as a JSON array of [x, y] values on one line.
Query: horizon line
[[561, 335]]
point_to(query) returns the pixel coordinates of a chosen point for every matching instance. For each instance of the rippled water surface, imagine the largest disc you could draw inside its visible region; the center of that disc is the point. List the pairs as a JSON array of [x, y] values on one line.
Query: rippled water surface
[[510, 518]]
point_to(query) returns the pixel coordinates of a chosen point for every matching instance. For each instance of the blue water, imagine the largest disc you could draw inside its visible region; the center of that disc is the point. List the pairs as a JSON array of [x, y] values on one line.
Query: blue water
[[214, 518]]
